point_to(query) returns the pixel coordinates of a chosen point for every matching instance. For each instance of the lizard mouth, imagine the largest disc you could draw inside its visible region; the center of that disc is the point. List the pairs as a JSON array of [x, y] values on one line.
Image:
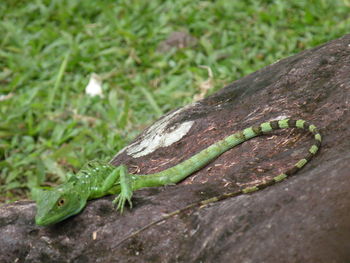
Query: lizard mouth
[[46, 219]]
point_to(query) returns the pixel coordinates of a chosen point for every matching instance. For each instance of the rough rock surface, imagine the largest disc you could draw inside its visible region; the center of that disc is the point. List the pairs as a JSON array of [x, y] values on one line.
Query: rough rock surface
[[303, 219]]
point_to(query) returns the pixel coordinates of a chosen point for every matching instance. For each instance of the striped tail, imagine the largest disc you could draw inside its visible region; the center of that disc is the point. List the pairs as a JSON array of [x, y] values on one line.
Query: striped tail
[[252, 132], [281, 124]]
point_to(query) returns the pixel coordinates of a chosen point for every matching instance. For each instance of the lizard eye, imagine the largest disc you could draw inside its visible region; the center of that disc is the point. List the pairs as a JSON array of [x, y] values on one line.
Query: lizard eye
[[61, 202]]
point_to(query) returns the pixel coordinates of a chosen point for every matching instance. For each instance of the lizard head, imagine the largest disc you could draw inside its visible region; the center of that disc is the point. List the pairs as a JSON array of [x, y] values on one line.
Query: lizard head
[[57, 204]]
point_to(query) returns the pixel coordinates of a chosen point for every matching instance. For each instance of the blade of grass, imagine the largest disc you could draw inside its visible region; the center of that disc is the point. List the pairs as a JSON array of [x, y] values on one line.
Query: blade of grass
[[151, 101], [53, 167], [58, 79]]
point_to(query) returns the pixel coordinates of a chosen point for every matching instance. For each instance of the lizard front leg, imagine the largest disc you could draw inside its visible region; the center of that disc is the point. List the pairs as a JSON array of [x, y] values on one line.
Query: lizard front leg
[[125, 181], [108, 185]]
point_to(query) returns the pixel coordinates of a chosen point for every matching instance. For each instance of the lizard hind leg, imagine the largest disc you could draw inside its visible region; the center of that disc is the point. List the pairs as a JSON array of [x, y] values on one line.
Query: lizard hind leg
[[125, 189]]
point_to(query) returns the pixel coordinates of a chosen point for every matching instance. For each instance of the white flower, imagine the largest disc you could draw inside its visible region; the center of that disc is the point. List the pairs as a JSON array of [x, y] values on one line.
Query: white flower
[[94, 87]]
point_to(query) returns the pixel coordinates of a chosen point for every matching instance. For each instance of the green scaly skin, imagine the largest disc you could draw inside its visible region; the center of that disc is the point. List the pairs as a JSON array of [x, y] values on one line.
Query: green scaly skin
[[97, 179]]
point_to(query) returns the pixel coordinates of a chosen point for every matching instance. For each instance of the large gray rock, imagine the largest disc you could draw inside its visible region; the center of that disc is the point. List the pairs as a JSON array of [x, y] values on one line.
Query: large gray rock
[[303, 219]]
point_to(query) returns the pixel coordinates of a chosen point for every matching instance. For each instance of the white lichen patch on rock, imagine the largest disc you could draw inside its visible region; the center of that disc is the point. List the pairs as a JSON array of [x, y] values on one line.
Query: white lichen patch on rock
[[160, 134]]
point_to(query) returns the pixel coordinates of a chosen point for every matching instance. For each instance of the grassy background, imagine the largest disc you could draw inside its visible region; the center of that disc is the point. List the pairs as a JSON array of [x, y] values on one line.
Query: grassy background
[[49, 126]]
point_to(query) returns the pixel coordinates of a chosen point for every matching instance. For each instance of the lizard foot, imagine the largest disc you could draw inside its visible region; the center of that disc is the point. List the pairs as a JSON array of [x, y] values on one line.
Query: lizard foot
[[121, 199]]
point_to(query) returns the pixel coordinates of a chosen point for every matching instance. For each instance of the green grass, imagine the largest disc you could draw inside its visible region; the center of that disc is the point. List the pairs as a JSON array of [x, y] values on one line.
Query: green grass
[[48, 50]]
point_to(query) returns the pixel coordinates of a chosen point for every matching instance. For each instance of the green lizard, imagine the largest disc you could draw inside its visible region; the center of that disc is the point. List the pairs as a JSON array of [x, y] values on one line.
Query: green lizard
[[97, 179]]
